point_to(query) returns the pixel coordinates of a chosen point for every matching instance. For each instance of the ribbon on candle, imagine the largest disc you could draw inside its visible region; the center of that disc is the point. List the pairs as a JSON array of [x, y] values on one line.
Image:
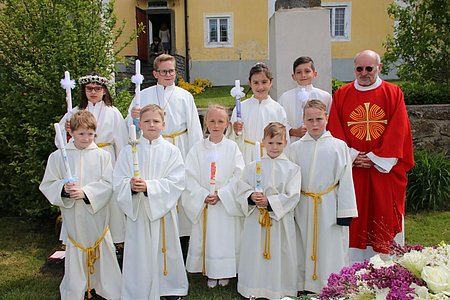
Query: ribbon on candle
[[69, 178], [133, 142], [137, 79], [258, 170], [68, 85]]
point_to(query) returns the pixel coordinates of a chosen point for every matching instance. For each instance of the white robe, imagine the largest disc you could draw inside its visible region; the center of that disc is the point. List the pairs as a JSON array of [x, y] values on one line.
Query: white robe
[[161, 165], [294, 108], [180, 114], [223, 223], [111, 129], [276, 277], [85, 223], [324, 163], [256, 115]]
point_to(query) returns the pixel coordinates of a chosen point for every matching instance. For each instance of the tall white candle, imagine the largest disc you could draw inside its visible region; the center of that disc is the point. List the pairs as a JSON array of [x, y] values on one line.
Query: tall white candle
[[258, 170], [68, 91], [132, 133], [63, 152]]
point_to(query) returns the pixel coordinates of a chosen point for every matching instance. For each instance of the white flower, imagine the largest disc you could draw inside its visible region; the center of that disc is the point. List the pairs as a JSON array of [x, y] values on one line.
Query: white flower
[[414, 261], [437, 278], [378, 262], [421, 292]]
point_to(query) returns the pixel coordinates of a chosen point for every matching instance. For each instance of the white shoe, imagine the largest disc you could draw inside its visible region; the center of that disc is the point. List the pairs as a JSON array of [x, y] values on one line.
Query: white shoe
[[224, 282], [212, 283]]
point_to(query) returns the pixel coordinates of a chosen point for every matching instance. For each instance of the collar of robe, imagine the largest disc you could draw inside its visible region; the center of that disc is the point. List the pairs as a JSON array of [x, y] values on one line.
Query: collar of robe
[[361, 88], [146, 142], [71, 146]]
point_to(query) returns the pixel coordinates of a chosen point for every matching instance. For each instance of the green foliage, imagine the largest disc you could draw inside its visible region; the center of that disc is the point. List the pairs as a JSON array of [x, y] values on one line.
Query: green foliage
[[425, 93], [429, 182], [40, 40], [420, 46], [335, 84]]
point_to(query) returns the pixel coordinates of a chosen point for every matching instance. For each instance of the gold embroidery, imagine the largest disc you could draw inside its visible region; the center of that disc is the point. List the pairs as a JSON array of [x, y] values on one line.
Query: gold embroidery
[[367, 121]]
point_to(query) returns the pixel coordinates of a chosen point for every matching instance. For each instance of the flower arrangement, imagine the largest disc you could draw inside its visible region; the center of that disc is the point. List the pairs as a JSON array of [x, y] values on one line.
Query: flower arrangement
[[195, 88], [412, 272]]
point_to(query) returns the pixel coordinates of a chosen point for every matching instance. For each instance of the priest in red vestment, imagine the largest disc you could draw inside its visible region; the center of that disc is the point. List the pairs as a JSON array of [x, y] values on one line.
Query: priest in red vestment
[[370, 115]]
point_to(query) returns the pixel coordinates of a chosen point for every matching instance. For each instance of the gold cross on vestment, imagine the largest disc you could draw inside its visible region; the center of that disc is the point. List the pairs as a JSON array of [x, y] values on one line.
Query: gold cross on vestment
[[367, 121]]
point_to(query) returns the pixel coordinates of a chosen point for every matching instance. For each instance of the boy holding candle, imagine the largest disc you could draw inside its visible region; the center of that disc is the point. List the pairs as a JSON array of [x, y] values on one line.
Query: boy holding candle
[[293, 100], [268, 256], [327, 204], [182, 127], [153, 263], [90, 261]]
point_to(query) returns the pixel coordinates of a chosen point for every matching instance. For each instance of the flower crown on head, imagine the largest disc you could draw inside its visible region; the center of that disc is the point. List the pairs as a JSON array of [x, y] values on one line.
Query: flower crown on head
[[94, 78]]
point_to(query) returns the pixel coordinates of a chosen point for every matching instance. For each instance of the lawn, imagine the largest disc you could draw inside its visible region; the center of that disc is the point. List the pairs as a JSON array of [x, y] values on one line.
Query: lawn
[[25, 245], [218, 95]]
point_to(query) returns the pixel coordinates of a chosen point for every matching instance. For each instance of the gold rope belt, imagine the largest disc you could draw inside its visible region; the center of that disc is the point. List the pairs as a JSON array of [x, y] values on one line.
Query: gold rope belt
[[264, 220], [205, 211], [93, 253], [163, 249], [173, 136], [101, 145], [253, 143], [317, 197]]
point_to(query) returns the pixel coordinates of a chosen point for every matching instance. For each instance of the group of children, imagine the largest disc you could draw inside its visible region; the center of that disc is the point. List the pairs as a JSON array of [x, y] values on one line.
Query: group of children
[[272, 213]]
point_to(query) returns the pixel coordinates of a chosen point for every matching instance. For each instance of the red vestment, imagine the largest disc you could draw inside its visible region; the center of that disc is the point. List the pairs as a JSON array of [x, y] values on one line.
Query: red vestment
[[375, 121]]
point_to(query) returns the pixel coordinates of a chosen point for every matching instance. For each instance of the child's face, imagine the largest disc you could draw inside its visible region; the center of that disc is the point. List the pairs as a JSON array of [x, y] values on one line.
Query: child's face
[[83, 137], [274, 146], [315, 121], [216, 122], [260, 85], [94, 92], [166, 73], [151, 124], [304, 74]]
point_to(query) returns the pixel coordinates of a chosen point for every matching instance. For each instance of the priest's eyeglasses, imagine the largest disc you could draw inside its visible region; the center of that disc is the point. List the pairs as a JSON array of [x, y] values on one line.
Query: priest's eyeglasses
[[165, 72], [96, 89], [367, 68]]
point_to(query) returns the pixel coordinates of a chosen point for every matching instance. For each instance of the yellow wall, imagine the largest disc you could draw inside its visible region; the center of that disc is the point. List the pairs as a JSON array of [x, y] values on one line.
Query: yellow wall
[[370, 25], [249, 28]]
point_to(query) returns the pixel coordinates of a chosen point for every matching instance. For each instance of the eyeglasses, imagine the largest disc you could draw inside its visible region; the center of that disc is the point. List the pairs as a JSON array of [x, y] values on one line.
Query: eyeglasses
[[96, 89], [165, 72], [367, 68]]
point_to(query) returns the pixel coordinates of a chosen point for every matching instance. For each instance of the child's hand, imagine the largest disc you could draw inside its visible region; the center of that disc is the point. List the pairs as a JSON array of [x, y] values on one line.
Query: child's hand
[[212, 199], [135, 111], [74, 191], [298, 132], [138, 185], [238, 127], [259, 199]]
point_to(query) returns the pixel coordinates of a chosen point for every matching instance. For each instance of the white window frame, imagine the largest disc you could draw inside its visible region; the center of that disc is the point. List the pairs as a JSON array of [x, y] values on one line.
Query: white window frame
[[347, 19], [218, 44]]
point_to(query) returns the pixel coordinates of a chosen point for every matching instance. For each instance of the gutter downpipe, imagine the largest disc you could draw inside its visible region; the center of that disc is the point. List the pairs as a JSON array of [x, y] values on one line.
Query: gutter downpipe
[[186, 39]]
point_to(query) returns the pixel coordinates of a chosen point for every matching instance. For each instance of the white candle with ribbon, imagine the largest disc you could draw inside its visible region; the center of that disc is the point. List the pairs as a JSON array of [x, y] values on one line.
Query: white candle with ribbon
[[133, 143], [61, 147], [68, 85], [258, 169], [213, 169], [237, 93], [137, 79]]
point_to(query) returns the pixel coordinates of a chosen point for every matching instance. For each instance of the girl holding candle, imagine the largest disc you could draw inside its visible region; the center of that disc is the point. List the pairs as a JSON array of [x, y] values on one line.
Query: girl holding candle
[[111, 134], [213, 167], [256, 112], [153, 263], [268, 256]]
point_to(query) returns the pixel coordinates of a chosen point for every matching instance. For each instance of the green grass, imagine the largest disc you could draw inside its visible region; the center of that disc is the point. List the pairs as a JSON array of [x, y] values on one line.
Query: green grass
[[216, 95], [25, 245]]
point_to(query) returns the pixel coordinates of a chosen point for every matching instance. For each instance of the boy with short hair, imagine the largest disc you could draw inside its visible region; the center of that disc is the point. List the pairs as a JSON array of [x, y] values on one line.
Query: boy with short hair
[[153, 262], [268, 256], [182, 127], [293, 100], [327, 204], [90, 261]]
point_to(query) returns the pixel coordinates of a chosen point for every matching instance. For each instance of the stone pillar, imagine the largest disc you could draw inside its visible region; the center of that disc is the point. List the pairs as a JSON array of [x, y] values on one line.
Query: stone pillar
[[299, 28]]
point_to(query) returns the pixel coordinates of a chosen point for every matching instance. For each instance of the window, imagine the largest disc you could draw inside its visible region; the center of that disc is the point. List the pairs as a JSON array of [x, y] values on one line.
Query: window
[[218, 31], [340, 16]]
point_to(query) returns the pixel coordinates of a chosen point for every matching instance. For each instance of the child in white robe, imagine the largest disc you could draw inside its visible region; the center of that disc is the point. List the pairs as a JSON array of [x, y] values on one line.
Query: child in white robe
[[294, 100], [213, 168], [327, 204], [153, 263], [256, 112], [182, 127], [85, 212], [111, 134], [268, 257]]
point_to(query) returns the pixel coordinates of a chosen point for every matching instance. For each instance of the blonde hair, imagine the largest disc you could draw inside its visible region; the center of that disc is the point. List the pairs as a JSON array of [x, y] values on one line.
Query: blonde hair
[[210, 108], [274, 129], [84, 119], [162, 58], [315, 104], [154, 108]]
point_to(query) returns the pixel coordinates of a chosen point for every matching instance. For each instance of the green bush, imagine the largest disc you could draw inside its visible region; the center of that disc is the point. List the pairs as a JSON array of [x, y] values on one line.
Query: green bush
[[429, 182], [425, 93], [335, 84]]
